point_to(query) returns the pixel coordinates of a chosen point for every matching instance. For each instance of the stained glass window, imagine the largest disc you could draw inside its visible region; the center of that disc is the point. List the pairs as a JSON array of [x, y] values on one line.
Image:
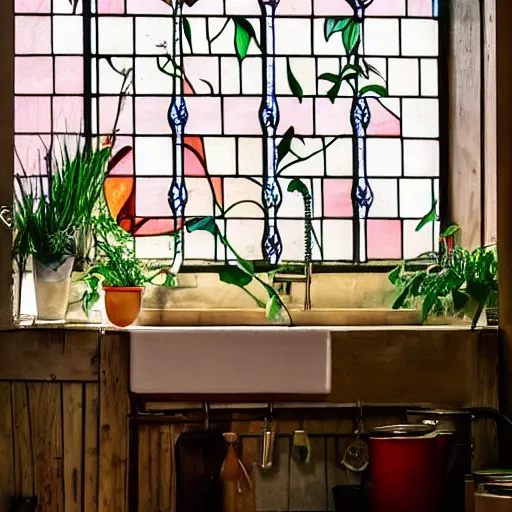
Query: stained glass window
[[231, 101]]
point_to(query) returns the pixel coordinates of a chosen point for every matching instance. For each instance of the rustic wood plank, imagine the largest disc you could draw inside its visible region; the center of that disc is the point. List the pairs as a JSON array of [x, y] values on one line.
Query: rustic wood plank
[[6, 156], [490, 125], [46, 426], [165, 497], [23, 460], [6, 451], [49, 355], [465, 177], [91, 448], [114, 410], [307, 481], [72, 396], [144, 470]]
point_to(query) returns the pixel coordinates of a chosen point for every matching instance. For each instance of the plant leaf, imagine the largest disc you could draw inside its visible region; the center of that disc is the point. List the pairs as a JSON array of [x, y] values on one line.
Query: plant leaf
[[234, 275], [333, 25], [377, 89], [367, 68], [395, 274], [285, 145], [351, 36], [349, 71], [296, 185], [332, 93], [202, 224], [450, 231], [294, 84], [431, 216], [273, 308], [330, 77], [244, 32], [460, 300], [188, 32]]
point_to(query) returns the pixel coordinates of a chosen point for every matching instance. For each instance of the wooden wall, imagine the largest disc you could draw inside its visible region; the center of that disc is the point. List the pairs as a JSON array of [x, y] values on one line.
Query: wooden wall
[[65, 407]]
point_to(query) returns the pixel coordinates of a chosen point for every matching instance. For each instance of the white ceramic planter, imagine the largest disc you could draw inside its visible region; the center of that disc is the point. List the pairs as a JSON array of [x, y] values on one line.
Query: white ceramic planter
[[52, 289]]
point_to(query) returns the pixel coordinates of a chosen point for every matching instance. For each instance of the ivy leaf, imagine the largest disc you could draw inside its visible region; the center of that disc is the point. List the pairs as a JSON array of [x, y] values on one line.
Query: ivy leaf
[[188, 32], [379, 90], [332, 93], [234, 275], [450, 231], [333, 25], [294, 84], [431, 216], [202, 224], [297, 185], [273, 308], [244, 32], [351, 36], [285, 145], [330, 77]]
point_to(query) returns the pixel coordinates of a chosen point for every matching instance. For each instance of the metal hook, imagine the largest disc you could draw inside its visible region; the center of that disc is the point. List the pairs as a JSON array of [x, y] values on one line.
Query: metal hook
[[206, 416], [271, 412]]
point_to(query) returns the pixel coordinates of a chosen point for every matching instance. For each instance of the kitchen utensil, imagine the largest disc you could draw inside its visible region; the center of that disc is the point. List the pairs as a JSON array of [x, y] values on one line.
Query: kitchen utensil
[[268, 442], [356, 456], [407, 468], [199, 457], [301, 447]]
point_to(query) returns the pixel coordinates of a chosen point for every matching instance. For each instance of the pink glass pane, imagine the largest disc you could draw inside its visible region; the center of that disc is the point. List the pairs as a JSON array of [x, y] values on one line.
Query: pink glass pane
[[32, 114], [333, 119], [33, 35], [111, 6], [148, 7], [31, 150], [151, 199], [108, 109], [387, 8], [298, 115], [241, 116], [420, 8], [69, 75], [151, 115], [204, 116], [337, 200], [331, 8], [33, 75], [68, 114], [384, 239], [383, 122], [32, 6]]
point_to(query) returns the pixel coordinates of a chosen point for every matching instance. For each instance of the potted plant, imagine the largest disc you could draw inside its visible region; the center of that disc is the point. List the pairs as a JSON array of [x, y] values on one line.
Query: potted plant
[[453, 281], [119, 271], [50, 213]]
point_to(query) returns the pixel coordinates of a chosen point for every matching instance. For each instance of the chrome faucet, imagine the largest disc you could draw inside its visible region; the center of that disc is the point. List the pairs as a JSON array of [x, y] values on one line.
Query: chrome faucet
[[299, 278]]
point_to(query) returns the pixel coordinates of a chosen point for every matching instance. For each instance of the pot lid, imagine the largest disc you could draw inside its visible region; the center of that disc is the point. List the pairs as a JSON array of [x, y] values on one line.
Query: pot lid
[[402, 431], [499, 489]]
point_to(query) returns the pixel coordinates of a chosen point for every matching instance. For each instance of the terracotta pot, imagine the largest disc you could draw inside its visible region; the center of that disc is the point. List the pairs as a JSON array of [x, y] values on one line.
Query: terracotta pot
[[123, 304]]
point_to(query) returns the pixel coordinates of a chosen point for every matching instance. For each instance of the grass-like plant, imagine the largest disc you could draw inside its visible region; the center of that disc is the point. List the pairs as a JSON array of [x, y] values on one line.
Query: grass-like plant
[[53, 212]]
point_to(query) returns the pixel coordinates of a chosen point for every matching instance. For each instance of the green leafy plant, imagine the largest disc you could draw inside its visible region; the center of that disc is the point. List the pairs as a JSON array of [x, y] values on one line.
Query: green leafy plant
[[242, 274], [115, 262], [52, 211], [455, 282]]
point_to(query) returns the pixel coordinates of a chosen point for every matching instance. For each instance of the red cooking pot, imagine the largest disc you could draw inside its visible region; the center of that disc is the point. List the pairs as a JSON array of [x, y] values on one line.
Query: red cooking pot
[[407, 468]]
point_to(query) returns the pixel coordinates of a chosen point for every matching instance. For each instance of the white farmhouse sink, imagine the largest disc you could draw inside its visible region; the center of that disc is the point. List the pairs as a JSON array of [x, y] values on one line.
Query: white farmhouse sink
[[230, 361]]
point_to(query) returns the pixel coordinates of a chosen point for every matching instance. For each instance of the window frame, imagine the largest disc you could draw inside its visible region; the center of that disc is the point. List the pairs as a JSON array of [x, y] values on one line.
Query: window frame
[[471, 169]]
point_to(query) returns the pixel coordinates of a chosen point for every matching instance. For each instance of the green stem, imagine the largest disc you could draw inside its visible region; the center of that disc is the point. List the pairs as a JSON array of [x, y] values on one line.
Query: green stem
[[303, 159]]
